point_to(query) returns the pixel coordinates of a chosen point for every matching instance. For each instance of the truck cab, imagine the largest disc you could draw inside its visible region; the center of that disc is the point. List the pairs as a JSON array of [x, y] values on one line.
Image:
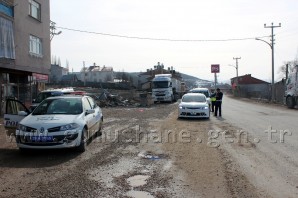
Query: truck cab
[[291, 93], [162, 88]]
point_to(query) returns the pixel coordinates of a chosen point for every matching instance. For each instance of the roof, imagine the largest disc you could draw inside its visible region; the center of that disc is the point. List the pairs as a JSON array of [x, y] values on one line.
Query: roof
[[194, 94], [98, 68], [248, 79]]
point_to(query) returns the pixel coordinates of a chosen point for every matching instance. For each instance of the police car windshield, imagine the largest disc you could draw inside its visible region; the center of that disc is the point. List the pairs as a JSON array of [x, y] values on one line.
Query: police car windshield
[[69, 106]]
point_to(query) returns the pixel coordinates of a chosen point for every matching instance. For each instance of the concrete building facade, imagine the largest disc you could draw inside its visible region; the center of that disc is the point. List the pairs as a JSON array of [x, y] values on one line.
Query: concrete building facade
[[25, 52]]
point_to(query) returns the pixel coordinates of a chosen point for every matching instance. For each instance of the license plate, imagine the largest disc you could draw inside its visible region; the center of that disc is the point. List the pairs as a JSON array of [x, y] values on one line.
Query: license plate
[[42, 138], [193, 113]]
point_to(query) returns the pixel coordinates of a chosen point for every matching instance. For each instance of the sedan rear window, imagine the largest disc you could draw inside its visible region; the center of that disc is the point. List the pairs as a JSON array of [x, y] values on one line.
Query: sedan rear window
[[206, 93], [193, 98]]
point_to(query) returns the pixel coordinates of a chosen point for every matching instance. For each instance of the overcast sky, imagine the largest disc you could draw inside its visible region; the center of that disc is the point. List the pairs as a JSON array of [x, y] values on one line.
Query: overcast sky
[[199, 23]]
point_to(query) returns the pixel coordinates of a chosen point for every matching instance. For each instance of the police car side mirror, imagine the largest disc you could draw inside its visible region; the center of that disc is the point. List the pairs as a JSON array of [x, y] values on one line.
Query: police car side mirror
[[22, 113], [90, 111]]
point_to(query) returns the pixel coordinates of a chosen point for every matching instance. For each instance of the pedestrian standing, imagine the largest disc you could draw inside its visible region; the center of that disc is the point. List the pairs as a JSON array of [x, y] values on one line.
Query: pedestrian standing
[[213, 99], [218, 102]]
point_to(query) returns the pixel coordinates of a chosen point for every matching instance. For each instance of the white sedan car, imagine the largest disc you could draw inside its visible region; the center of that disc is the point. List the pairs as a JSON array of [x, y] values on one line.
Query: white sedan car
[[60, 122], [204, 91], [193, 105]]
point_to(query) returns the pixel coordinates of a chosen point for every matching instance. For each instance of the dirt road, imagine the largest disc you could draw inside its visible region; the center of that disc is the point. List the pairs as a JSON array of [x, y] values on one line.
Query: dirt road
[[143, 152]]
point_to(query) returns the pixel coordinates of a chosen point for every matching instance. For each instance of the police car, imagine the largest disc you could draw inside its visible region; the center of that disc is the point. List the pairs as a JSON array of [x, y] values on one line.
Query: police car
[[58, 122], [48, 93]]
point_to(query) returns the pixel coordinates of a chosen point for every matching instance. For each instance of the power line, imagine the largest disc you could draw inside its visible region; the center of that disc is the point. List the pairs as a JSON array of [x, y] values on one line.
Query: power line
[[162, 39]]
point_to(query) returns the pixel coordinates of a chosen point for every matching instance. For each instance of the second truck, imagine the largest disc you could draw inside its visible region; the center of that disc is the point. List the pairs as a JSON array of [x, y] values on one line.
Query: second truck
[[166, 88], [291, 93]]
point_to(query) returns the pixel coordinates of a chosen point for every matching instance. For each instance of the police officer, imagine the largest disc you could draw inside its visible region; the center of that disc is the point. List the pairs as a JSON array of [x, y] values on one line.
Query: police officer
[[213, 99], [218, 102]]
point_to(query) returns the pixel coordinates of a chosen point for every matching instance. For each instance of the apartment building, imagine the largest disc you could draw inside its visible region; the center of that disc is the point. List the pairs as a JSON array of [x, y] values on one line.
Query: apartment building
[[97, 74], [25, 52]]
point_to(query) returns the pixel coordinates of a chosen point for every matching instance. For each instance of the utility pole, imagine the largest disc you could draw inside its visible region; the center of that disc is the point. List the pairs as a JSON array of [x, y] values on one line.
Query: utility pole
[[287, 71], [272, 50], [215, 80], [237, 58], [84, 73]]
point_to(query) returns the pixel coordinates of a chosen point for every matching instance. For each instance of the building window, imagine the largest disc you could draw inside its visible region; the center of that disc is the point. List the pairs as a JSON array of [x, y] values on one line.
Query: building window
[[35, 46], [34, 9], [7, 48], [6, 9]]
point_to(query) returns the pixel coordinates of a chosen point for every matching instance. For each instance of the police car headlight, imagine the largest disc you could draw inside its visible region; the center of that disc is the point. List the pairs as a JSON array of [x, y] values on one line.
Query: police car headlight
[[205, 108], [22, 127], [69, 127], [181, 107]]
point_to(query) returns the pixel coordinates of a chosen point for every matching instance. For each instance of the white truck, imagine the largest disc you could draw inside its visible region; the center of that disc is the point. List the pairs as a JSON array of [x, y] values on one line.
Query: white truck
[[291, 93], [166, 88]]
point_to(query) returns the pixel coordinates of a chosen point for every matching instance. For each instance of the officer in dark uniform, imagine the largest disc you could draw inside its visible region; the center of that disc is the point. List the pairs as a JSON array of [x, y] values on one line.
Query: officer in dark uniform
[[218, 102], [213, 99]]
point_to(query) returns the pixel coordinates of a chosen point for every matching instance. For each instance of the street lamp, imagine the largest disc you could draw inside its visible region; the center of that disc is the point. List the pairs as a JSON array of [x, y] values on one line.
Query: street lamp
[[236, 67], [53, 30], [272, 51], [272, 56]]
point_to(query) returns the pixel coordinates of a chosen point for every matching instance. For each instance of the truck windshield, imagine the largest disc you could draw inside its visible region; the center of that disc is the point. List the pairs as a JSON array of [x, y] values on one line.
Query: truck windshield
[[160, 84]]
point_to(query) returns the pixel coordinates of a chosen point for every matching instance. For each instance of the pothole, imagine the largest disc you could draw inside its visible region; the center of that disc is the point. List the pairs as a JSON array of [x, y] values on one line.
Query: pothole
[[137, 180], [138, 194], [148, 156]]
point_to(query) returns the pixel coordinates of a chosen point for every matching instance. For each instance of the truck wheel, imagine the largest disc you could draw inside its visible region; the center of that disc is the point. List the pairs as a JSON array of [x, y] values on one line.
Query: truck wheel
[[290, 102]]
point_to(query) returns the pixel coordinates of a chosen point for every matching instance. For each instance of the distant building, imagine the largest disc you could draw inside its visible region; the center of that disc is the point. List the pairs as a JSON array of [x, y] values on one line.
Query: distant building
[[57, 72], [248, 86], [69, 79], [25, 52], [97, 74]]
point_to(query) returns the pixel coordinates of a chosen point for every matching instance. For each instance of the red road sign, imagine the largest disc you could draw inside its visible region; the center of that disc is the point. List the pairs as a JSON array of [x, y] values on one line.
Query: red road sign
[[215, 68]]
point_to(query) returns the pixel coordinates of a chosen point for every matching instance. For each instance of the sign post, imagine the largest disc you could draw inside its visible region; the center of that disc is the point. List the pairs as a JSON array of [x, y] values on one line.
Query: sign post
[[215, 70]]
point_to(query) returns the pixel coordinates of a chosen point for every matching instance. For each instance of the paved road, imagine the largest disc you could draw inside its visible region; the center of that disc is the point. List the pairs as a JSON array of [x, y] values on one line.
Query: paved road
[[271, 160]]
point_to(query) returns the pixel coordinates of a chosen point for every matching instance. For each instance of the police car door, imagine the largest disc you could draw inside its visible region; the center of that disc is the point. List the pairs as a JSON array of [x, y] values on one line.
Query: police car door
[[15, 111], [89, 117], [96, 117]]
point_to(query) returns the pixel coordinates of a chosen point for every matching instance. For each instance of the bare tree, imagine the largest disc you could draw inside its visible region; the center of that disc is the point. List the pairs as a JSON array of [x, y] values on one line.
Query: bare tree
[[124, 77], [59, 61], [291, 65], [67, 64]]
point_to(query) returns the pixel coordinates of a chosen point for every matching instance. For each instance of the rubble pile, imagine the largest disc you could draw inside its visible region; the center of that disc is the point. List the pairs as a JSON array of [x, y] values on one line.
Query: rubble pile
[[106, 99]]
